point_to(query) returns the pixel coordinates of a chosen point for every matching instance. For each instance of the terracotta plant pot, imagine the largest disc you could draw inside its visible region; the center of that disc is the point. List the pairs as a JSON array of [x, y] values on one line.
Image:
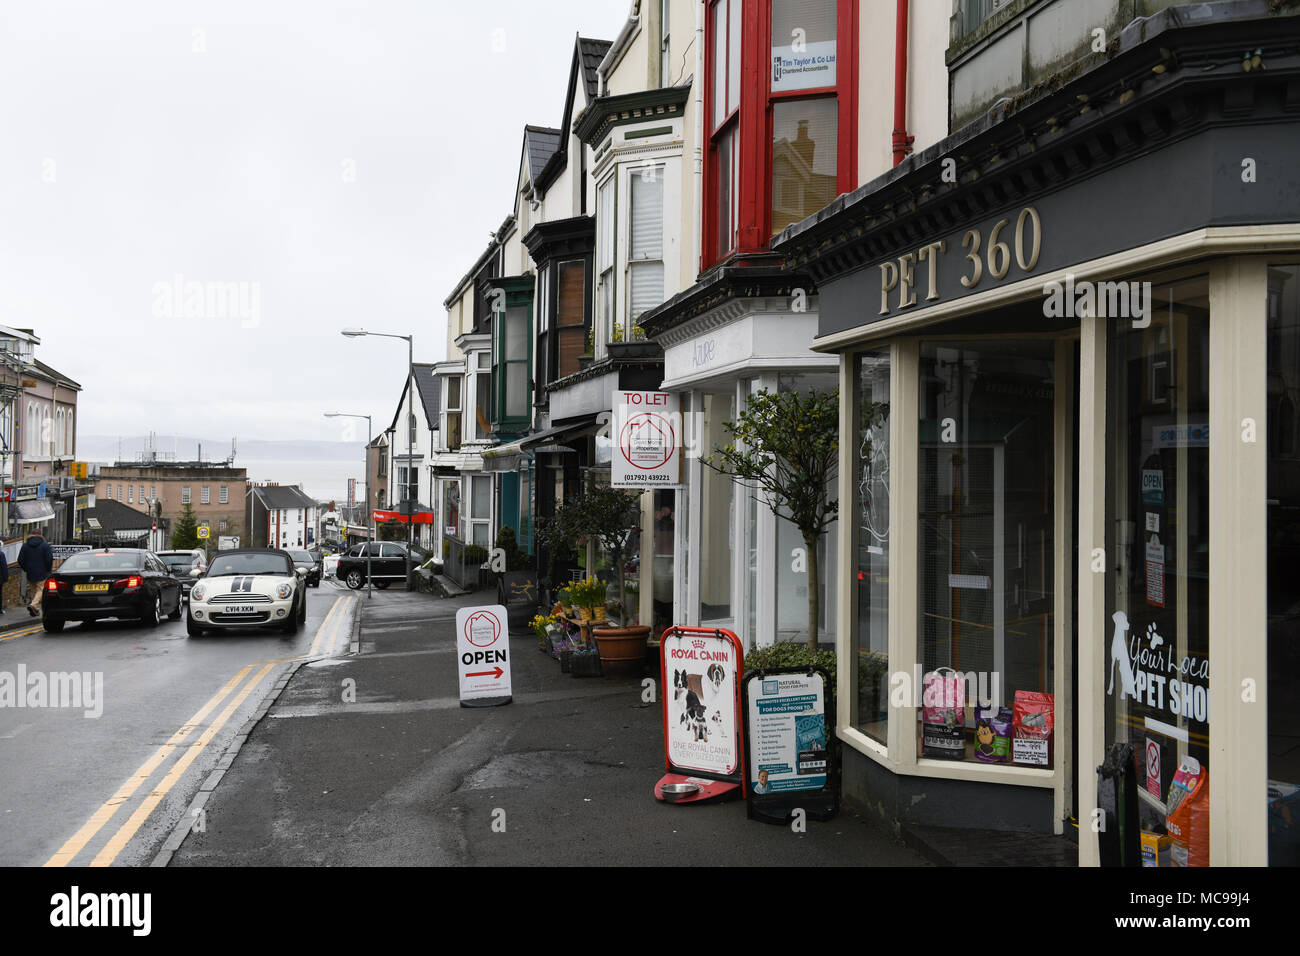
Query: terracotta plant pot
[[622, 650]]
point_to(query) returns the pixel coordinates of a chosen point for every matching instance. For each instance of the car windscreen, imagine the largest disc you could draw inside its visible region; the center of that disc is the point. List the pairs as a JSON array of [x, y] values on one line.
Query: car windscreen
[[224, 565], [102, 561]]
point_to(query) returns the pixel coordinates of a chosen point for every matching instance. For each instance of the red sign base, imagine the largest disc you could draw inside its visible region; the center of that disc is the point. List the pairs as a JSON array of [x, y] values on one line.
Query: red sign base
[[708, 789]]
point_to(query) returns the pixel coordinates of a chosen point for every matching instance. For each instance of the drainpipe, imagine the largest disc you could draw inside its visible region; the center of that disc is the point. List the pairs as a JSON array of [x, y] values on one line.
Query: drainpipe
[[902, 142]]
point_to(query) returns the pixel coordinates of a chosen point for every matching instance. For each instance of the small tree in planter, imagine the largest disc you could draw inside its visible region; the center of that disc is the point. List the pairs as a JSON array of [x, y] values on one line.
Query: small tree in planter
[[612, 516], [788, 445]]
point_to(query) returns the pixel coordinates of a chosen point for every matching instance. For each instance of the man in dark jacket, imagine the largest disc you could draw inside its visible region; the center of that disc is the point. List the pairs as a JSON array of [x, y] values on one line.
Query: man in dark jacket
[[4, 579], [36, 558]]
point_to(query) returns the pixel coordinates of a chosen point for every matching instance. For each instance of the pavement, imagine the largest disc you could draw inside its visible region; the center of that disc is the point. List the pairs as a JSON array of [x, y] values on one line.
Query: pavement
[[368, 759]]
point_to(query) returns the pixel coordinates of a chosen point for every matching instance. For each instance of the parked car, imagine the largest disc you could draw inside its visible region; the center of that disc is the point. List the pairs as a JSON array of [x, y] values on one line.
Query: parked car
[[330, 565], [126, 583], [387, 560], [182, 565], [308, 564], [249, 587]]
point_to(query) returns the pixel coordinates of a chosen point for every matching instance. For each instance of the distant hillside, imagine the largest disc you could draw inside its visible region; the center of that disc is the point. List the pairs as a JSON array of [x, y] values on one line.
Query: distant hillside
[[183, 448]]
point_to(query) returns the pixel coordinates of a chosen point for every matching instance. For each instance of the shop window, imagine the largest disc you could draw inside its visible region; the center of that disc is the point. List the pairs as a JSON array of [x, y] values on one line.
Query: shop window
[[1283, 567], [1156, 678], [870, 520], [717, 504], [665, 542], [986, 551]]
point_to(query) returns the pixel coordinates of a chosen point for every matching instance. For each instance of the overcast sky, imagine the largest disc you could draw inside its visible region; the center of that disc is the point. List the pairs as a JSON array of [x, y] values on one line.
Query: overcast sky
[[344, 162]]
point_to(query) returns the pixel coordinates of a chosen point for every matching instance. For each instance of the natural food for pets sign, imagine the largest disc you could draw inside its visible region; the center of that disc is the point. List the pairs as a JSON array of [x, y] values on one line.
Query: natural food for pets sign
[[483, 653], [700, 710], [786, 724]]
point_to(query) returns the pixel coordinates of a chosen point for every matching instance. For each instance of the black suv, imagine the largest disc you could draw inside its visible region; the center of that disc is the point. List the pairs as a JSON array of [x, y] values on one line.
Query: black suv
[[387, 562]]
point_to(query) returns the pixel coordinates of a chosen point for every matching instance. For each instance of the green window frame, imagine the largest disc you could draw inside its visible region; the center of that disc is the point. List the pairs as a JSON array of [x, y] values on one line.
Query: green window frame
[[512, 357]]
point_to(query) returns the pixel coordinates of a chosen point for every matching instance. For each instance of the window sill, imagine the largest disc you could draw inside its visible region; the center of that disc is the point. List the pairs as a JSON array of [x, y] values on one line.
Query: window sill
[[949, 769]]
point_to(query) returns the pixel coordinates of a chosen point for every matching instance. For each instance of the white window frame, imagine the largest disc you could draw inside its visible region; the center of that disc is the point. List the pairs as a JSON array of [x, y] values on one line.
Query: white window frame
[[205, 495], [648, 172], [223, 495], [606, 286], [185, 495]]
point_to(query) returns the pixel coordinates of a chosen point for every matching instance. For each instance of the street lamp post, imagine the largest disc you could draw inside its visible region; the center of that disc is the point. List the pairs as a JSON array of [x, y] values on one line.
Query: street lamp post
[[370, 512], [410, 452]]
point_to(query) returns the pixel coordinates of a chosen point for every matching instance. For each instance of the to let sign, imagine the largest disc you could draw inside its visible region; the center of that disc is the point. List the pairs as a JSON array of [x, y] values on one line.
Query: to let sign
[[647, 434], [483, 655]]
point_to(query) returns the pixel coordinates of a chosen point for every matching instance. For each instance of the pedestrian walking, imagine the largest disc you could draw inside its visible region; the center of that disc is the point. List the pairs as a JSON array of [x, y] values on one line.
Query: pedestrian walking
[[4, 579], [36, 558]]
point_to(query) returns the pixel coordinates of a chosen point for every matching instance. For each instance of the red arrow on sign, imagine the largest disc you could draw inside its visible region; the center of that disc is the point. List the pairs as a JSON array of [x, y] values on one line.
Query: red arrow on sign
[[496, 673]]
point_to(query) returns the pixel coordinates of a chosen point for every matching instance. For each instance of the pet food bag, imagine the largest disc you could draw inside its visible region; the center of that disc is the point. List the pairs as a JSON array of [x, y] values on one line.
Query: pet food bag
[[1187, 816], [1155, 849], [993, 734], [943, 715], [1032, 723]]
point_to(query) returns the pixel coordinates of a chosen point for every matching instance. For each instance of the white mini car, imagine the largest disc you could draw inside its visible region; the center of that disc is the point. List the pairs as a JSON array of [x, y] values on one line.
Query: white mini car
[[248, 588]]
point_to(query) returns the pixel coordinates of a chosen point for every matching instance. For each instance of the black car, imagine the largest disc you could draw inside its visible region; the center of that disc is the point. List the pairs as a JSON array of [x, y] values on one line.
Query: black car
[[182, 565], [113, 582], [309, 564], [387, 561]]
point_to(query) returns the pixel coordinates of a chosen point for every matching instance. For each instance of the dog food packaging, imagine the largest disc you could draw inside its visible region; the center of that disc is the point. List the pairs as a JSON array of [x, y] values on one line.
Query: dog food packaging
[[943, 715], [1032, 723], [1155, 849], [993, 734], [1187, 815]]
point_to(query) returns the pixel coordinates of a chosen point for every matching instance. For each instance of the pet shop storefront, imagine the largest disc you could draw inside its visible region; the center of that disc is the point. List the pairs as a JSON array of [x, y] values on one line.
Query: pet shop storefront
[[1070, 468]]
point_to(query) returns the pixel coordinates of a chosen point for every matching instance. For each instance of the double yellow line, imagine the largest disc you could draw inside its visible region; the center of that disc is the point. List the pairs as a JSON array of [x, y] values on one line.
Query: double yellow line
[[23, 632], [326, 636]]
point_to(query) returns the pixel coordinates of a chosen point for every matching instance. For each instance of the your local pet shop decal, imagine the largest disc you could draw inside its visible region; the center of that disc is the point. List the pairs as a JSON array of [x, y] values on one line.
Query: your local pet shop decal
[[1152, 673]]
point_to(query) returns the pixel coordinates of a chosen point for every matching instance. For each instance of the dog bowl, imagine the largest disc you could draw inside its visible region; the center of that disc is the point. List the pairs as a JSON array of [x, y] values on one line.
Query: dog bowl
[[679, 791]]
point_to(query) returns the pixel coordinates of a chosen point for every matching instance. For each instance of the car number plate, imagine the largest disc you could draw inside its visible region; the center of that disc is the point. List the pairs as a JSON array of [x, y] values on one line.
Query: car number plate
[[90, 587], [240, 609]]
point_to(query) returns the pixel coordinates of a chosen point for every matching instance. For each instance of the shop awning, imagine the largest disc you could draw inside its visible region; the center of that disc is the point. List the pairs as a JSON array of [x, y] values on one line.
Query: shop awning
[[31, 512], [546, 441], [503, 458], [420, 517]]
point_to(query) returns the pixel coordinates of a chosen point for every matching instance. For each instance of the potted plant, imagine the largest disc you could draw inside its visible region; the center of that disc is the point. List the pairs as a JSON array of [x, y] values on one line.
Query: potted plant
[[613, 516], [589, 595], [542, 625]]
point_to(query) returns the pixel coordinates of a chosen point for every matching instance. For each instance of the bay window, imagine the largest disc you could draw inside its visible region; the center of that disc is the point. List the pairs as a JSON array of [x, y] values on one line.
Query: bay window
[[570, 315], [793, 119], [451, 424], [512, 351], [606, 225]]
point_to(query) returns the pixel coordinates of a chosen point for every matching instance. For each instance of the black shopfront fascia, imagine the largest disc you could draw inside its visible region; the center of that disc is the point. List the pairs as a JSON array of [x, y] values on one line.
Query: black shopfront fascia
[[1201, 144]]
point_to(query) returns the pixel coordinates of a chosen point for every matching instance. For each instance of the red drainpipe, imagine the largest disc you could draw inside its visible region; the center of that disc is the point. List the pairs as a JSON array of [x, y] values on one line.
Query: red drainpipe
[[902, 142]]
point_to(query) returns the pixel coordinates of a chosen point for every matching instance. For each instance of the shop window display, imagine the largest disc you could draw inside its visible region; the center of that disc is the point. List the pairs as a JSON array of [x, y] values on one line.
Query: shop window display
[[986, 552], [1156, 682], [871, 516], [1283, 566]]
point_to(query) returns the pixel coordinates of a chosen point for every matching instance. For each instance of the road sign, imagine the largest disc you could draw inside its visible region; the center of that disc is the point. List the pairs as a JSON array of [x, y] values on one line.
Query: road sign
[[647, 433], [78, 470], [204, 531], [483, 656]]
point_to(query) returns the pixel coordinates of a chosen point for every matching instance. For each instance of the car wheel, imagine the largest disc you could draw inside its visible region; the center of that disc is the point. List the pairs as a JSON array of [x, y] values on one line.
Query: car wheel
[[193, 629], [52, 625], [382, 585], [290, 627], [355, 579], [175, 615], [151, 616]]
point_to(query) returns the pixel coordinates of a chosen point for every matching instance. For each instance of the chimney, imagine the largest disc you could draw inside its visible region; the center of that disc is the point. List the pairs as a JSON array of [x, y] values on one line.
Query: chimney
[[804, 146]]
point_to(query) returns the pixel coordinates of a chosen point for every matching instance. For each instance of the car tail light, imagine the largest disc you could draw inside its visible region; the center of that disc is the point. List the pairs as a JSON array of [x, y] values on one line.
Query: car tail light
[[52, 585], [130, 584]]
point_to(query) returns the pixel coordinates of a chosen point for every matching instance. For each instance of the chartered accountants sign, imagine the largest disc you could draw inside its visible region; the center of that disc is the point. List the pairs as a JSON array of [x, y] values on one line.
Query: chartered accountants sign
[[646, 432]]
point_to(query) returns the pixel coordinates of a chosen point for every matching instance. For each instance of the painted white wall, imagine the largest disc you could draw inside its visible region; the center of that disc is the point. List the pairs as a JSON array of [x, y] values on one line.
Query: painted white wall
[[927, 82]]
